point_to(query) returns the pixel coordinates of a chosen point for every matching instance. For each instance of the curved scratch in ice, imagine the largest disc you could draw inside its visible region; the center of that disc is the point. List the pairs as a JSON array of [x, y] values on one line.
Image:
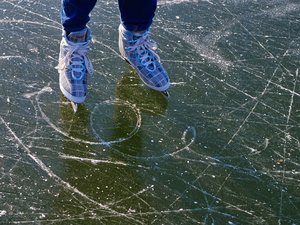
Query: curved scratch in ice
[[46, 118], [101, 141], [131, 134], [189, 130], [51, 174]]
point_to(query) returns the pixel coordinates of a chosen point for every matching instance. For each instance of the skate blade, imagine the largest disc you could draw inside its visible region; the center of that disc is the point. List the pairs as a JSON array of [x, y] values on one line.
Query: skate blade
[[74, 106], [166, 94]]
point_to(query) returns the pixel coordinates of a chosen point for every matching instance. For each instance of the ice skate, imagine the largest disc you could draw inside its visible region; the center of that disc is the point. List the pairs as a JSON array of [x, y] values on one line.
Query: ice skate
[[74, 66], [139, 51]]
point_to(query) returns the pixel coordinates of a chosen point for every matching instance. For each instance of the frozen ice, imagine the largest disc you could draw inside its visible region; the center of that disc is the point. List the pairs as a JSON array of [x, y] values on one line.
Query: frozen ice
[[223, 149]]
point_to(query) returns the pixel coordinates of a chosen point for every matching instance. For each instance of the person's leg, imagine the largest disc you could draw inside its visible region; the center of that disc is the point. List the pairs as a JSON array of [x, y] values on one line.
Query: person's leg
[[137, 15], [75, 14], [135, 45]]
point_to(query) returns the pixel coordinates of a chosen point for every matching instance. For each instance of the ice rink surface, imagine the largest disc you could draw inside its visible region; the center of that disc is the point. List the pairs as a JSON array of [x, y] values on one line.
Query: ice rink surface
[[224, 149]]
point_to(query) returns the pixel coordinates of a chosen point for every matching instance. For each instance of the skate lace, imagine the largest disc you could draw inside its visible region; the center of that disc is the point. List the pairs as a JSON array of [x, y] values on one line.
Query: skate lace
[[76, 57], [145, 48]]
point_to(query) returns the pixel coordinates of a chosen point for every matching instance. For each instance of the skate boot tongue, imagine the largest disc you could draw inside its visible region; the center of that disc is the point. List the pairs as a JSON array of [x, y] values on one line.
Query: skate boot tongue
[[78, 36]]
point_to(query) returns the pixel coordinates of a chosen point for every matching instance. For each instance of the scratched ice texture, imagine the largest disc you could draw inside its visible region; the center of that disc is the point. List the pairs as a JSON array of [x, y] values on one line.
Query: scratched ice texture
[[224, 149]]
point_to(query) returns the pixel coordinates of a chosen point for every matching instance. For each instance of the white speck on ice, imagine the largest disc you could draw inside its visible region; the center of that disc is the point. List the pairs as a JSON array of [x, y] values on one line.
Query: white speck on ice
[[2, 212]]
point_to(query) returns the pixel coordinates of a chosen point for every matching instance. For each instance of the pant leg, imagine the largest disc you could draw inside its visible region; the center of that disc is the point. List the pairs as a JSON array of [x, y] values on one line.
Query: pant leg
[[75, 14], [137, 15]]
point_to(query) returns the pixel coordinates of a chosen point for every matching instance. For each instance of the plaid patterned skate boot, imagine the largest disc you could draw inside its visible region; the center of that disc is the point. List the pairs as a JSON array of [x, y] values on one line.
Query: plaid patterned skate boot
[[139, 51], [74, 66]]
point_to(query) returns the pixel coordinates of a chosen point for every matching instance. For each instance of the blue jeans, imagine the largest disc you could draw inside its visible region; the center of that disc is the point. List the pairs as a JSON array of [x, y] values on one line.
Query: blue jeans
[[136, 15]]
